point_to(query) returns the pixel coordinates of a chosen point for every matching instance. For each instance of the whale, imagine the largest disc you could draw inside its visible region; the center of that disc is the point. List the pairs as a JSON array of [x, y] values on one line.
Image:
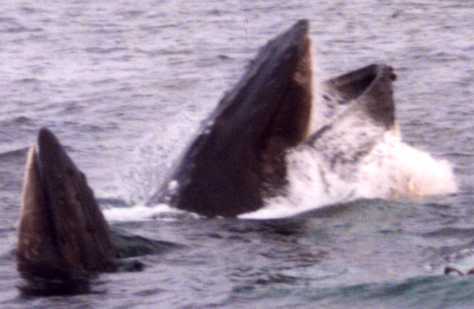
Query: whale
[[63, 238], [62, 233], [239, 158]]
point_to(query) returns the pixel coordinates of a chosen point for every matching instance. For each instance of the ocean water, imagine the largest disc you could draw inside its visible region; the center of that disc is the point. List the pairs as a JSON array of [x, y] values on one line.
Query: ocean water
[[125, 86]]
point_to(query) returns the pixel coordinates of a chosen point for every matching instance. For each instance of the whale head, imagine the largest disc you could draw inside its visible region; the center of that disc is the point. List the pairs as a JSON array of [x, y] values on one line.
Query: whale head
[[239, 156], [62, 233]]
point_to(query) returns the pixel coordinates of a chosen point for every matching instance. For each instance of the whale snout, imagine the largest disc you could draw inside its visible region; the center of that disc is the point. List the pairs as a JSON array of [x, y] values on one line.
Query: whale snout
[[62, 236]]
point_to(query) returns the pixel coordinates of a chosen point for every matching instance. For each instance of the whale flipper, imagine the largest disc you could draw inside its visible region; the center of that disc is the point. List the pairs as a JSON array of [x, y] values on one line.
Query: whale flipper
[[239, 156], [62, 235]]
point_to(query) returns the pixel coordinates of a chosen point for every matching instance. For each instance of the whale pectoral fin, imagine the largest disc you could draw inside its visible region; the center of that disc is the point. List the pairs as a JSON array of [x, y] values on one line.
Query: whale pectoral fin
[[370, 112], [62, 232], [225, 171]]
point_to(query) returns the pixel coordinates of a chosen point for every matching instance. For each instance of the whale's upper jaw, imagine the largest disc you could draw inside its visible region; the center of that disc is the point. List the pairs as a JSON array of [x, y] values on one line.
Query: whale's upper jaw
[[369, 87], [366, 113], [240, 152], [62, 232]]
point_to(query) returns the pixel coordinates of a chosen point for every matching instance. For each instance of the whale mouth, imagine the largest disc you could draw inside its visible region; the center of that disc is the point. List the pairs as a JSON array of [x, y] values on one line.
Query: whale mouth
[[239, 159], [63, 236]]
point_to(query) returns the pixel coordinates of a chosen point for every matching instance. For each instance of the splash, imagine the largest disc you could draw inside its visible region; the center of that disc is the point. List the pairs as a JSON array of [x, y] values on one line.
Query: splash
[[162, 212], [145, 168], [370, 163], [357, 159], [391, 170], [396, 170]]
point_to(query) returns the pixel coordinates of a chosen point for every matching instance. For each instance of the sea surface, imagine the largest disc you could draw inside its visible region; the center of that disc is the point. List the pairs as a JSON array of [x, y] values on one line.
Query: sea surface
[[125, 86]]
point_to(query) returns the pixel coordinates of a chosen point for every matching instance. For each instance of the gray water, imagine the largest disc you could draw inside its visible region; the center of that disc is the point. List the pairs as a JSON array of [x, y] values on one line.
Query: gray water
[[124, 84]]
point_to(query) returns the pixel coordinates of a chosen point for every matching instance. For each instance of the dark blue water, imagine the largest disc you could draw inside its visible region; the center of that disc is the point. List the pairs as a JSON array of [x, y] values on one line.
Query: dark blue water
[[124, 85]]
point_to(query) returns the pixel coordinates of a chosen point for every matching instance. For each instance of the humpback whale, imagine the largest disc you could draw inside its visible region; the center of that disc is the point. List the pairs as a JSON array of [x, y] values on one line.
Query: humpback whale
[[62, 233], [63, 237], [238, 161], [240, 158]]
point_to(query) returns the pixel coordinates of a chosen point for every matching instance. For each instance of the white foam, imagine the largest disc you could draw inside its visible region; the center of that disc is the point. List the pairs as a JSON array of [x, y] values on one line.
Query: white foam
[[310, 186], [138, 213], [396, 170], [392, 170]]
